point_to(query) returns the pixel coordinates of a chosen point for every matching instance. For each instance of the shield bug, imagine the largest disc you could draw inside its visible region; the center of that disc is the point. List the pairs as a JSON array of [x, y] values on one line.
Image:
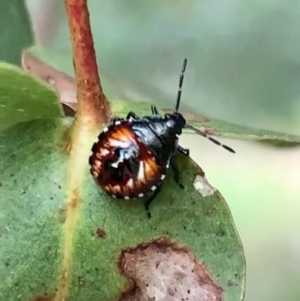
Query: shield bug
[[132, 155]]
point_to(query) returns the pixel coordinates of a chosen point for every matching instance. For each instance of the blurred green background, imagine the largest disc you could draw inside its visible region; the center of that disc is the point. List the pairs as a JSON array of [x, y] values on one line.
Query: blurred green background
[[244, 67]]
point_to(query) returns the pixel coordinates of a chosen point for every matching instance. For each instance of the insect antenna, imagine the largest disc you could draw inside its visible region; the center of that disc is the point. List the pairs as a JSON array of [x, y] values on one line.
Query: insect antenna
[[180, 85], [187, 126]]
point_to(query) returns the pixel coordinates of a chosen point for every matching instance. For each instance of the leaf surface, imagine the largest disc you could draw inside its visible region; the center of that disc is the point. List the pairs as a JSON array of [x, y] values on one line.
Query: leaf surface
[[71, 240], [24, 98]]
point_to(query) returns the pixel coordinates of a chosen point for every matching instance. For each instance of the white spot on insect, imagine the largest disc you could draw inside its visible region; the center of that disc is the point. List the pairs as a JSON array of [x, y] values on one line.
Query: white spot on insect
[[141, 173], [130, 182], [140, 195], [149, 153], [153, 188], [114, 196], [119, 143], [162, 176], [203, 187], [126, 197], [115, 164], [168, 163], [105, 129]]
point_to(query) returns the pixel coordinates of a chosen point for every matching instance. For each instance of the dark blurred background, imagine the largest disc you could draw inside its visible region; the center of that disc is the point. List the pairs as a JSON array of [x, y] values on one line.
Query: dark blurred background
[[244, 67]]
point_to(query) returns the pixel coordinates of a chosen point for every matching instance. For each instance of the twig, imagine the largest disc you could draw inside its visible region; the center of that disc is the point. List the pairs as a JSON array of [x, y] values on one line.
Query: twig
[[93, 111], [92, 103]]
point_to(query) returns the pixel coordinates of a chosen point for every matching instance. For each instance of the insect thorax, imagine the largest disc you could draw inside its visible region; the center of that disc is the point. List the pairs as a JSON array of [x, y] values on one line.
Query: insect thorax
[[158, 136]]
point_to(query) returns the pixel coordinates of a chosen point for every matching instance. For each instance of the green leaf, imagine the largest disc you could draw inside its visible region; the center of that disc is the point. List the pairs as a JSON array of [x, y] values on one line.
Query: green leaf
[[68, 240], [16, 33], [34, 210], [23, 98]]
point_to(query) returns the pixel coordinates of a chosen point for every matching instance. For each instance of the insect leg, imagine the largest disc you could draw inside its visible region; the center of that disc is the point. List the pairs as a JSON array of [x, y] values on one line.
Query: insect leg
[[176, 173], [183, 151], [132, 115], [154, 110], [117, 119], [151, 199]]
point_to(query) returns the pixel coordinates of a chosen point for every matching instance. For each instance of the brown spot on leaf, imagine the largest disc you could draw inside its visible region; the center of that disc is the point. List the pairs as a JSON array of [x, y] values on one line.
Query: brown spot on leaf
[[46, 297], [230, 283], [100, 233], [75, 199], [162, 270], [64, 280]]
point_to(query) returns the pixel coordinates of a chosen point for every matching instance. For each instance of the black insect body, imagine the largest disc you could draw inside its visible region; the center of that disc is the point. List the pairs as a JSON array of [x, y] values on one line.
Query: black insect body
[[132, 155]]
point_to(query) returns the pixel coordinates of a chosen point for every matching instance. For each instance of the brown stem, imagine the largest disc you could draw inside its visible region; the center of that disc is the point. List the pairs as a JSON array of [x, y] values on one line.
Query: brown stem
[[92, 103]]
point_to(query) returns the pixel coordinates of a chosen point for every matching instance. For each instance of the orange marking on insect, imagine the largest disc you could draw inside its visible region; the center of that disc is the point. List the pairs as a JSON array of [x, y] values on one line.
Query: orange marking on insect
[[123, 133], [120, 175]]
